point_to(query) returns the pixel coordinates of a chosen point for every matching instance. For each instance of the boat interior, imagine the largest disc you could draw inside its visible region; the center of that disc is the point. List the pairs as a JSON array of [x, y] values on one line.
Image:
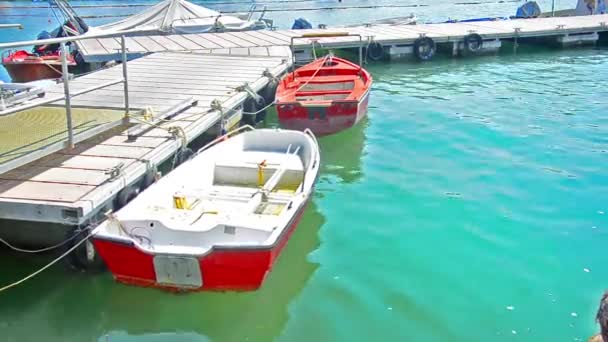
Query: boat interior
[[326, 89], [241, 198], [334, 81]]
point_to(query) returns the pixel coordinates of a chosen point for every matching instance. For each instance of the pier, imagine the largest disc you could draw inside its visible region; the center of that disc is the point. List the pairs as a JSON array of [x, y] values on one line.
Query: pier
[[397, 40], [181, 86], [173, 98]]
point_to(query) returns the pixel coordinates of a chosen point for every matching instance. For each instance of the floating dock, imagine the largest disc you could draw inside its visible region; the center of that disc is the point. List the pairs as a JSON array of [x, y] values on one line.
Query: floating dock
[[74, 187], [398, 40], [194, 78]]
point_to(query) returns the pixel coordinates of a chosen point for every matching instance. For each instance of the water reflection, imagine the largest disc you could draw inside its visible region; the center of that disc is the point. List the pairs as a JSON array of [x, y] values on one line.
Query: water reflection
[[64, 305], [342, 153]]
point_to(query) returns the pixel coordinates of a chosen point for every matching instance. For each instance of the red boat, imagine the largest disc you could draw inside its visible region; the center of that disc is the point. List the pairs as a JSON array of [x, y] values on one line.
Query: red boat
[[23, 66], [44, 62], [325, 96], [218, 221]]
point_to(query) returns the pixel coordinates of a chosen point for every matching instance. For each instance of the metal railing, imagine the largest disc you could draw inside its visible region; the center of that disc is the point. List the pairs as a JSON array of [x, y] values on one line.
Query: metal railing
[[68, 95], [314, 37]]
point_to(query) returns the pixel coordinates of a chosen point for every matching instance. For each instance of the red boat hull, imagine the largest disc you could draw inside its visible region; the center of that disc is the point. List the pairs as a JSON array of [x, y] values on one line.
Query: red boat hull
[[222, 269], [25, 67], [323, 120], [21, 72]]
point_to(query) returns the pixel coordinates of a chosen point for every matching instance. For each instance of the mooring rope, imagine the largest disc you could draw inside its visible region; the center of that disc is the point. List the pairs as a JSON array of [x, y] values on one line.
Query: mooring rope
[[295, 91], [32, 275], [46, 249]]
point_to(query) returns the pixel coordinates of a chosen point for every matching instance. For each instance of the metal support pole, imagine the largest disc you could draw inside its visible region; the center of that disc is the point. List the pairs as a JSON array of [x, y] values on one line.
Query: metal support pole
[[361, 51], [66, 90], [124, 74], [553, 8]]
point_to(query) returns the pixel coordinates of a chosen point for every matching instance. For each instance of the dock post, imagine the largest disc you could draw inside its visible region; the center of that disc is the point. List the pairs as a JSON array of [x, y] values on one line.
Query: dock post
[[66, 90], [124, 73]]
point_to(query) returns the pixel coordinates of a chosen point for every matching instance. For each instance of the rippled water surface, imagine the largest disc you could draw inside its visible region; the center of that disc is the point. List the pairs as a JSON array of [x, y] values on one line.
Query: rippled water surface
[[470, 206]]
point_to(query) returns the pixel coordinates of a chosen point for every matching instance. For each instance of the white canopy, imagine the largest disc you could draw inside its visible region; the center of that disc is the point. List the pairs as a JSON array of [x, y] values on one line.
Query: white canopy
[[178, 16]]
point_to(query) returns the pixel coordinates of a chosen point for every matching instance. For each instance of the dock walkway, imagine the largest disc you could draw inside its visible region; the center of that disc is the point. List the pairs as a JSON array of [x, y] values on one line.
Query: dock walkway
[[74, 186], [105, 49], [71, 186]]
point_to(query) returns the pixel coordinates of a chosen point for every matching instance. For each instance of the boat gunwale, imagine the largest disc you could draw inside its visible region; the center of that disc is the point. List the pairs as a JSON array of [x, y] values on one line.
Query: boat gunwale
[[315, 165]]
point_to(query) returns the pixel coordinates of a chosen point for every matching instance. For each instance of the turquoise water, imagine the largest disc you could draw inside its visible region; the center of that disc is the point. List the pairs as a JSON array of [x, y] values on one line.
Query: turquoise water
[[472, 205]]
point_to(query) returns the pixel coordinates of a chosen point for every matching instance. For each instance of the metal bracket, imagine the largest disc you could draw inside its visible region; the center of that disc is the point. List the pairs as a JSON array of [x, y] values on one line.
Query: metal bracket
[[114, 172], [216, 104], [246, 88], [267, 73], [152, 121]]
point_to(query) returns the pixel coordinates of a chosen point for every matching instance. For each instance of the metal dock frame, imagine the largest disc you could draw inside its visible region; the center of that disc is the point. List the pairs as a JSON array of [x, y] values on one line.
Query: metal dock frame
[[76, 187], [67, 97]]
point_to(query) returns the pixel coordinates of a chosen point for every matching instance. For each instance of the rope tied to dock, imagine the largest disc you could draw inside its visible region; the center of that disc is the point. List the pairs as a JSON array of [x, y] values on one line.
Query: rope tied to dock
[[176, 131], [66, 253], [295, 91], [41, 250], [270, 76], [217, 106]]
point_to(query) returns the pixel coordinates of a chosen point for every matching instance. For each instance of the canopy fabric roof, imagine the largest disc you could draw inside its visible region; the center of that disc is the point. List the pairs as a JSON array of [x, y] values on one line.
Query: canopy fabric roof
[[177, 16]]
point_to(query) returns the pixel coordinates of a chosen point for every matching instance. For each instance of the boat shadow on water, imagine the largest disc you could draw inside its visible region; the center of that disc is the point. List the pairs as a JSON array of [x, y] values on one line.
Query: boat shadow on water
[[85, 307]]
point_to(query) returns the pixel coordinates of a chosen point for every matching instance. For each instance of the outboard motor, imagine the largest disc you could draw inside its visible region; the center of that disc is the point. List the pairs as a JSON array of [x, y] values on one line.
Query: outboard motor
[[528, 10], [301, 24], [43, 49]]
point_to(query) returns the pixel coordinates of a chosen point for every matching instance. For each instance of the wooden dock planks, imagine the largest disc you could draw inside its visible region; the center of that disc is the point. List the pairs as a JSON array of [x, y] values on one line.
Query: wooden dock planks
[[80, 180], [104, 49]]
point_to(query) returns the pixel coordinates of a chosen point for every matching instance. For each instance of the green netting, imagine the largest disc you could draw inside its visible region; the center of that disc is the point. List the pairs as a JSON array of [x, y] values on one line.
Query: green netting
[[30, 130]]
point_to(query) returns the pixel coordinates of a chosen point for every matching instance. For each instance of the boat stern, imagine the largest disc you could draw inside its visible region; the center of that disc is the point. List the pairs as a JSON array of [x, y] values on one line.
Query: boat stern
[[322, 118]]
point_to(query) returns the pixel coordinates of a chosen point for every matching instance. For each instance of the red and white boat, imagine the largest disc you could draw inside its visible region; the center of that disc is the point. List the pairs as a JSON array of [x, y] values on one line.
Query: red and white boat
[[326, 96], [218, 221], [23, 66]]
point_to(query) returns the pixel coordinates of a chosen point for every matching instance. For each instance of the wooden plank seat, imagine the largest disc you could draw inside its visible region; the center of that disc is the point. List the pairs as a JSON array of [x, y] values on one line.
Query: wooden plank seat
[[242, 170]]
